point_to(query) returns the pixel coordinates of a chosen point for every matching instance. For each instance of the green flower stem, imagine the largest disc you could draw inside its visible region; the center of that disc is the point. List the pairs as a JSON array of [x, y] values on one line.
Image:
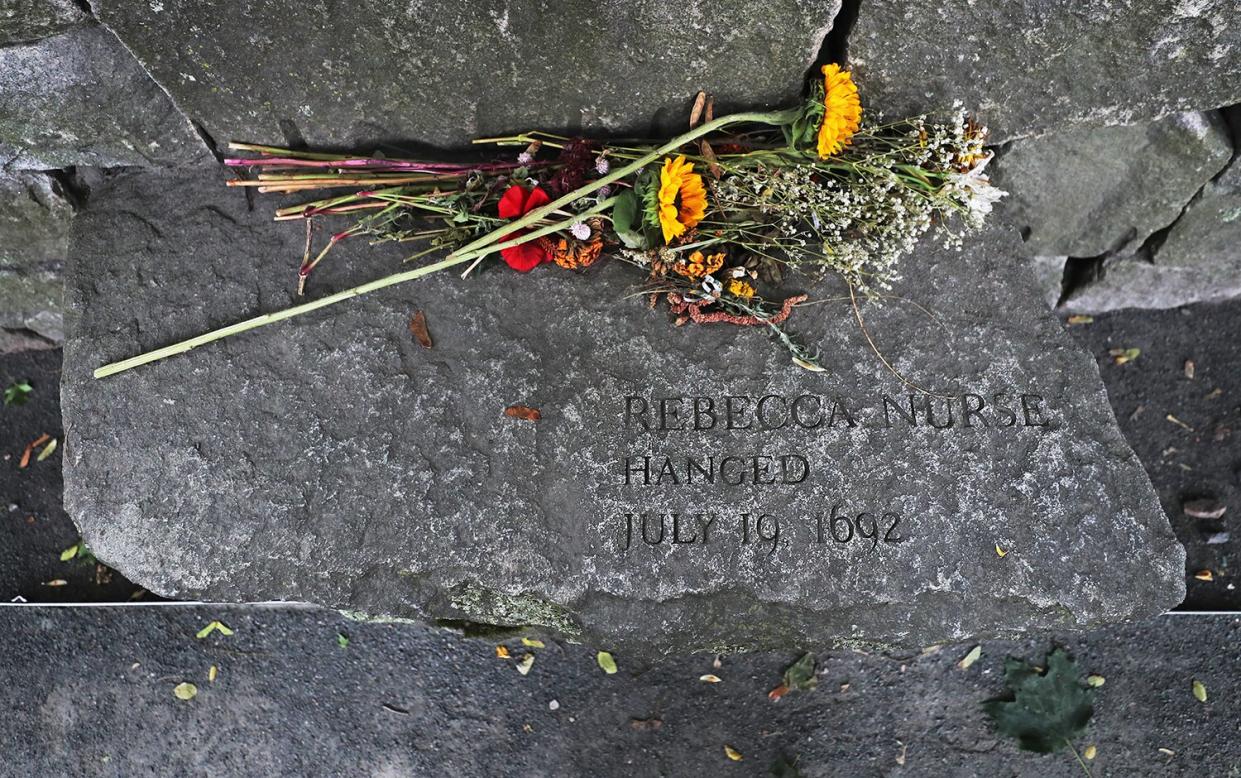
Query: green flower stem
[[467, 253]]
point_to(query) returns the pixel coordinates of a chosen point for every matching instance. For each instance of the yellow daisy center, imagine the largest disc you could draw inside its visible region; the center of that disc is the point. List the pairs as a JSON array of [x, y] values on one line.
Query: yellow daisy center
[[842, 110]]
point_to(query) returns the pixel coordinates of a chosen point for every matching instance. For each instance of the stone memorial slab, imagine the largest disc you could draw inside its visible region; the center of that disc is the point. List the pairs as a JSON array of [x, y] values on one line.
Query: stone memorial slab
[[448, 72], [685, 489]]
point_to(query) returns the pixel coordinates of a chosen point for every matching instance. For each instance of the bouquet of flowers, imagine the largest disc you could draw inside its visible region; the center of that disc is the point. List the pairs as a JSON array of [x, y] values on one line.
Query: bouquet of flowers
[[713, 220]]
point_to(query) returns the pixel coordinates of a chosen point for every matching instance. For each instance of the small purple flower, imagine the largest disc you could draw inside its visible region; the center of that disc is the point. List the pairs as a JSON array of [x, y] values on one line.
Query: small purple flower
[[525, 158], [601, 165], [580, 231]]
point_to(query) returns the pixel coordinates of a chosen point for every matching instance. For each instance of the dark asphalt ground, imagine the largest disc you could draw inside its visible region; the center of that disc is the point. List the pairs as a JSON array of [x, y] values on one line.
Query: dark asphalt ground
[[89, 692]]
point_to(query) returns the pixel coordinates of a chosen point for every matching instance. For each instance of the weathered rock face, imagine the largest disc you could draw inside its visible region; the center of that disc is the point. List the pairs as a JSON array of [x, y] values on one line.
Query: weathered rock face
[[22, 21], [1033, 67], [1087, 192], [34, 241], [79, 98], [686, 488], [445, 73]]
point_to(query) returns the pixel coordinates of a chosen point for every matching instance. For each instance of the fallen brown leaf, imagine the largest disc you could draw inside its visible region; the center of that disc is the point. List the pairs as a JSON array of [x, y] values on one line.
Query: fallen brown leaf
[[523, 412], [30, 447], [696, 113], [418, 327]]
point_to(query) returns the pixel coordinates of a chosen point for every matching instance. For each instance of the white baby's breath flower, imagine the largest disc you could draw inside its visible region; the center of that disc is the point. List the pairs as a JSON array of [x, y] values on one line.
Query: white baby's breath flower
[[580, 231], [602, 166], [525, 158]]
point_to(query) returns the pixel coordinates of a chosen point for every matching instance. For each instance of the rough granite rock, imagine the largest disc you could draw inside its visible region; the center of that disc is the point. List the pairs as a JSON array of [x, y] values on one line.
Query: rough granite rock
[[332, 459], [444, 73], [1038, 66], [1049, 275], [1198, 260], [80, 98], [22, 21], [34, 241], [1090, 191]]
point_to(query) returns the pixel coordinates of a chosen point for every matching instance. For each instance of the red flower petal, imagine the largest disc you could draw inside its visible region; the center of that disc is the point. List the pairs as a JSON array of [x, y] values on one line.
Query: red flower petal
[[525, 257], [512, 201]]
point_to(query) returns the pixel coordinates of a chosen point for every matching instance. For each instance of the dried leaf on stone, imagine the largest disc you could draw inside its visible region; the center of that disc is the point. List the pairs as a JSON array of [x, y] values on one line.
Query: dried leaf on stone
[[642, 725], [527, 661], [1200, 691], [695, 113], [532, 643], [713, 164], [1095, 680], [70, 552], [57, 582], [1090, 752], [709, 678], [1204, 508], [212, 673], [502, 652], [606, 662], [185, 691], [1042, 711], [812, 367], [418, 328], [523, 412], [970, 658], [47, 450], [1204, 575], [1121, 356], [732, 753], [1001, 553], [1081, 319]]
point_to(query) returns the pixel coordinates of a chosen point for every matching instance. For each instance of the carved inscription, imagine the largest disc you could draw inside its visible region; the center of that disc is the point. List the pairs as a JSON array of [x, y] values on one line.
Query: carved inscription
[[675, 420]]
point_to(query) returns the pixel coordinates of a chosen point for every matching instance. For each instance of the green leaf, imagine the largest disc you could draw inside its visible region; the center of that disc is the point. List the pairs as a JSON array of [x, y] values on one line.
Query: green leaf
[[69, 553], [342, 640], [17, 393], [212, 627], [185, 691], [627, 220], [1042, 711], [800, 675], [47, 451], [606, 661], [1200, 691]]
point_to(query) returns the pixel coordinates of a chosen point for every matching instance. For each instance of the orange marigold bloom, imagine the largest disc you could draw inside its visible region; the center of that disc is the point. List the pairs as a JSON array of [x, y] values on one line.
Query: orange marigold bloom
[[682, 197], [743, 289], [699, 265], [842, 110]]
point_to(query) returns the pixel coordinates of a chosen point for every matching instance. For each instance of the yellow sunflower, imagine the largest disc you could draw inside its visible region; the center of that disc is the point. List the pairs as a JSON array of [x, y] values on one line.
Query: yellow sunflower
[[842, 110], [682, 198]]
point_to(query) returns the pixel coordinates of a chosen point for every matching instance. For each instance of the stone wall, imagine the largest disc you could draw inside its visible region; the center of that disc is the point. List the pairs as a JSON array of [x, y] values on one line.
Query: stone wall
[[1121, 163]]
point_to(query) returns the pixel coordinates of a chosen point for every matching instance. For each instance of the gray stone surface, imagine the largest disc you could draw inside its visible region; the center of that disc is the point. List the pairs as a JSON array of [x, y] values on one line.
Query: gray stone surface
[[22, 21], [445, 73], [79, 98], [1198, 260], [1090, 191], [34, 241], [1029, 68], [89, 692], [333, 460], [1049, 275]]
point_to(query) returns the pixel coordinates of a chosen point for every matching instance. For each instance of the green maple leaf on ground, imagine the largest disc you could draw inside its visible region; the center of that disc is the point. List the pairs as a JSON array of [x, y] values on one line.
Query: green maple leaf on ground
[[1042, 711]]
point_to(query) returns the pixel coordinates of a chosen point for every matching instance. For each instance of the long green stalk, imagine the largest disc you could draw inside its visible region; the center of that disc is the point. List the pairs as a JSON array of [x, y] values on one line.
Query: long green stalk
[[469, 252]]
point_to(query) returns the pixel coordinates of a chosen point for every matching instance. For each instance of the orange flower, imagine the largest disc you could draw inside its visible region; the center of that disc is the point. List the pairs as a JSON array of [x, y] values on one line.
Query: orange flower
[[842, 110], [698, 265], [682, 198]]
